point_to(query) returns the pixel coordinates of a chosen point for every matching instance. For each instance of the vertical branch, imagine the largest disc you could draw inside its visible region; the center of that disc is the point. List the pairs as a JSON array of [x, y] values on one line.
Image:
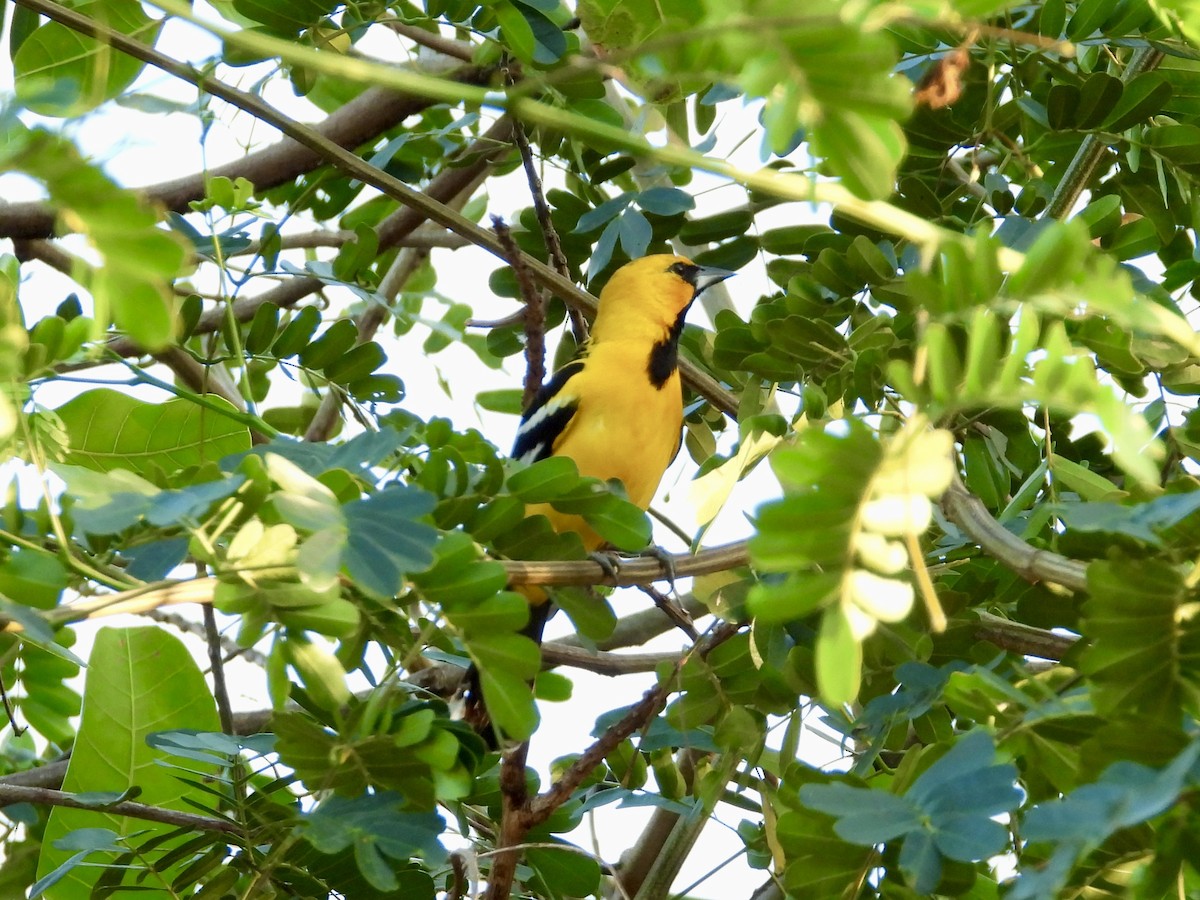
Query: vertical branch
[[220, 690], [557, 258], [514, 799], [535, 315], [1091, 151]]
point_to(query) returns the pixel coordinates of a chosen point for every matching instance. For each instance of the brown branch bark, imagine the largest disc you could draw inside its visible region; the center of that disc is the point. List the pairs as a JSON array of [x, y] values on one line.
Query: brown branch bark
[[522, 814], [969, 514], [701, 382], [12, 793], [584, 571], [1027, 640], [541, 208], [535, 314], [436, 42], [365, 117]]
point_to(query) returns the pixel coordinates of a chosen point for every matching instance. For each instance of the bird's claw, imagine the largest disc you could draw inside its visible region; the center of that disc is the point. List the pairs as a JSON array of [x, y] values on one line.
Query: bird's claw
[[666, 560], [609, 562]]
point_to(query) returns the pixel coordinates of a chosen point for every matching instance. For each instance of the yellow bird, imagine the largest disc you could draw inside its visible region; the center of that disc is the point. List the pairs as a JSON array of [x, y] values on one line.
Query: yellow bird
[[617, 409]]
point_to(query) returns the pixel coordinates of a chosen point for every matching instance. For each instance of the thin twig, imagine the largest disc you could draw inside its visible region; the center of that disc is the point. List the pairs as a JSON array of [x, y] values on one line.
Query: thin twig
[[535, 315], [217, 666], [12, 793], [229, 647], [436, 42], [521, 813], [421, 239], [558, 259], [637, 718]]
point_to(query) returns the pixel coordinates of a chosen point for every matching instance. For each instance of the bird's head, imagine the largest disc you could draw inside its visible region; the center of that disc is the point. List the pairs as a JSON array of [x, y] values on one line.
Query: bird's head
[[655, 289]]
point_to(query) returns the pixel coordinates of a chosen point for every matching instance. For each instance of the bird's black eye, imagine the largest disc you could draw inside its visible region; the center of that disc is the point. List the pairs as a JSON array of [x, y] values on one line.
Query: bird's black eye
[[679, 269]]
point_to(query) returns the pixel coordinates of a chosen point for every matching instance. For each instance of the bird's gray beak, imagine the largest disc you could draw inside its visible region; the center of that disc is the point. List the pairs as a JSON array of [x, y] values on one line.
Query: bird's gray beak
[[707, 276]]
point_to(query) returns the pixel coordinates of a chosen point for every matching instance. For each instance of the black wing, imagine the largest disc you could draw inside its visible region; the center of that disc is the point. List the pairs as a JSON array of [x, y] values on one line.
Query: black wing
[[547, 416]]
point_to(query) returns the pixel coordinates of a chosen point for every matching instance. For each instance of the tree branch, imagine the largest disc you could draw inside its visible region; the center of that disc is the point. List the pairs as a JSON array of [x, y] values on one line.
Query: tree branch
[[1032, 564], [368, 115], [434, 41], [425, 206], [642, 570], [1023, 639], [521, 814], [12, 793], [1082, 168]]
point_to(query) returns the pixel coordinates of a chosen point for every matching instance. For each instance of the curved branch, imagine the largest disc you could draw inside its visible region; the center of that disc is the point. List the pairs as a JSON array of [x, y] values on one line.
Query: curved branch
[[1032, 564]]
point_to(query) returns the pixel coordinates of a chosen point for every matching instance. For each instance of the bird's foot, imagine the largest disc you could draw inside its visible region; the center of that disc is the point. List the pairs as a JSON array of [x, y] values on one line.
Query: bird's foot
[[609, 562]]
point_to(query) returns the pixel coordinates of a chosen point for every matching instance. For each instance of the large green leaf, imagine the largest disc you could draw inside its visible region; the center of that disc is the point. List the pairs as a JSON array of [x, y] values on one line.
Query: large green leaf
[[57, 55], [1144, 651], [110, 430], [140, 680]]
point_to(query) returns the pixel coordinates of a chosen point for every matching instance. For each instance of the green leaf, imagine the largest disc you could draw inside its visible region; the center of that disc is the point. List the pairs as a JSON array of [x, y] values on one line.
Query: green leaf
[[132, 286], [1145, 522], [507, 663], [286, 19], [501, 400], [357, 363], [864, 150], [387, 538], [297, 333], [323, 677], [550, 42], [54, 53], [839, 659], [32, 578], [614, 518], [1142, 653], [865, 816], [665, 201], [507, 611], [819, 864], [375, 825], [1144, 96], [330, 346], [111, 430], [569, 872], [140, 680], [592, 615]]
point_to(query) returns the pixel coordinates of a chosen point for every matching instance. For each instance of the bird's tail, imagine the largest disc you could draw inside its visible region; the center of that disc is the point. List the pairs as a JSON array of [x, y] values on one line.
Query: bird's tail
[[475, 711]]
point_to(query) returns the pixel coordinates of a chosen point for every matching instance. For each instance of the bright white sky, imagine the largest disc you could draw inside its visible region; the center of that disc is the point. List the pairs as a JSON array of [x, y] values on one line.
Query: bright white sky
[[138, 149]]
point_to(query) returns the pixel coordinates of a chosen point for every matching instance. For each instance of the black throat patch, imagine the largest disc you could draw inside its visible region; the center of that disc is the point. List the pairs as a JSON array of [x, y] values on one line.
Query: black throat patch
[[664, 355]]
